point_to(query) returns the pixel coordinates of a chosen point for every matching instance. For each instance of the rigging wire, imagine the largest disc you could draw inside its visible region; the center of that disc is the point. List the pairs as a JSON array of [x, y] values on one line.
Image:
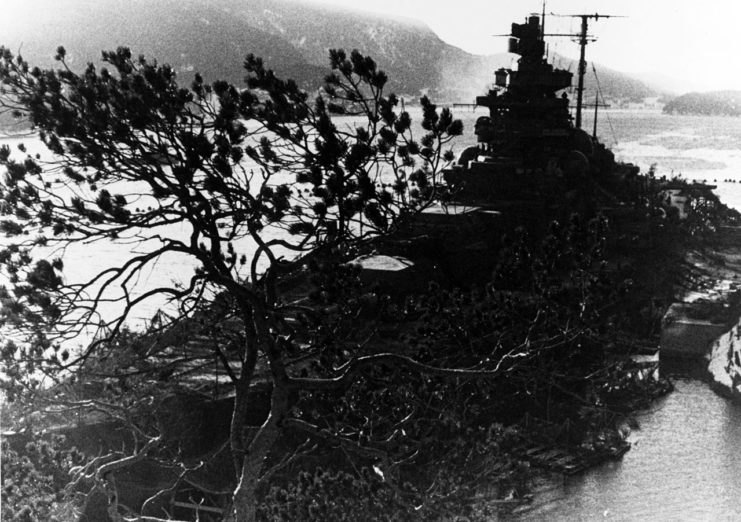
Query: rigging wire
[[599, 93]]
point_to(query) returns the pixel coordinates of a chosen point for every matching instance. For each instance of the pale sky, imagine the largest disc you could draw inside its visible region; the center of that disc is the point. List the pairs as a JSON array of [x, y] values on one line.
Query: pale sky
[[697, 43]]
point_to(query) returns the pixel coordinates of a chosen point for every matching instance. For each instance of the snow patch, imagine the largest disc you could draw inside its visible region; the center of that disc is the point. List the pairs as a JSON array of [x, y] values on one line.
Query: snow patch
[[725, 359]]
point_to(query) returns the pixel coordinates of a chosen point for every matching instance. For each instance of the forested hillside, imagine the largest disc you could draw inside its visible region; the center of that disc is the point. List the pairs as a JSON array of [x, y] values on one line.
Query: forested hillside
[[718, 103], [213, 37]]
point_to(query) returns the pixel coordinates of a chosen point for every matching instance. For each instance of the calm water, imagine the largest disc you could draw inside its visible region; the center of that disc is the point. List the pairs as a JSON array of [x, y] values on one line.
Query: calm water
[[685, 464]]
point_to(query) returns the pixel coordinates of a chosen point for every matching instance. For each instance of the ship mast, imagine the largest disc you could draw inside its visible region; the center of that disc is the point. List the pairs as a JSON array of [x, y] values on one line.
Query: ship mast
[[583, 39], [542, 23], [582, 69]]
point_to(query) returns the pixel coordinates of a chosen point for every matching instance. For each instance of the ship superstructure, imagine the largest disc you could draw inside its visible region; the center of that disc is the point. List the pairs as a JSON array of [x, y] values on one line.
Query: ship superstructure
[[526, 114], [529, 130]]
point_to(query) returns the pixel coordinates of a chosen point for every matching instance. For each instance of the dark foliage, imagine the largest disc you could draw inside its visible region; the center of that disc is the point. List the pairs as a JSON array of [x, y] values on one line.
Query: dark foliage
[[34, 480]]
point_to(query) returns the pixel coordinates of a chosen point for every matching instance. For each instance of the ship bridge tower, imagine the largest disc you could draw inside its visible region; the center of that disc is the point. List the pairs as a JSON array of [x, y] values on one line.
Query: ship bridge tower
[[525, 108]]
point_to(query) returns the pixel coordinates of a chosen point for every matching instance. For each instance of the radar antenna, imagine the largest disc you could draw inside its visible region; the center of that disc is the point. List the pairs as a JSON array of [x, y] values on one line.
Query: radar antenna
[[583, 39]]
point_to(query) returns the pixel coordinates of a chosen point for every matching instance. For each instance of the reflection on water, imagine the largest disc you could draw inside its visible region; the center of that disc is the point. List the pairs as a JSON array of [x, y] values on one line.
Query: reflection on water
[[685, 464]]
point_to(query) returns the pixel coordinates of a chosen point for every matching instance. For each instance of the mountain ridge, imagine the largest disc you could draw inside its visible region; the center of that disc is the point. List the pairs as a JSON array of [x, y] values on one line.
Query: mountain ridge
[[293, 37]]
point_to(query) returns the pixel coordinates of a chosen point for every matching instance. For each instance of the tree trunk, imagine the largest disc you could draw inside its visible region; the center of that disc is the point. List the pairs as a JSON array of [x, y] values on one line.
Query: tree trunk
[[245, 497], [253, 459], [241, 398], [236, 428]]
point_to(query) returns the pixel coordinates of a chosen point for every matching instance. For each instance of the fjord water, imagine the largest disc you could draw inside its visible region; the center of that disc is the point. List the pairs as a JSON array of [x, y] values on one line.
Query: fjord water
[[684, 464]]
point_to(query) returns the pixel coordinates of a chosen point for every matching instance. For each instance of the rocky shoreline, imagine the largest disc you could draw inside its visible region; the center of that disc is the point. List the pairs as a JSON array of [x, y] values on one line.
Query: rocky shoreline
[[704, 324]]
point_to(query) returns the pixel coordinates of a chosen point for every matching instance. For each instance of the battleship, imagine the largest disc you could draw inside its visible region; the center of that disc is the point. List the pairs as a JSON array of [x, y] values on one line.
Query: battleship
[[530, 145]]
